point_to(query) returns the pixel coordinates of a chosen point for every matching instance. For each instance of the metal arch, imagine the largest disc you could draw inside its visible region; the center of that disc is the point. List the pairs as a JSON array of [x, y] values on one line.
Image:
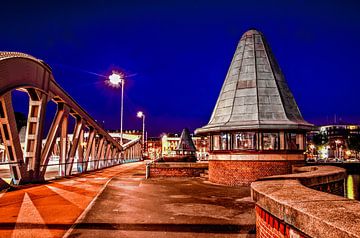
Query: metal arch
[[18, 70], [37, 75]]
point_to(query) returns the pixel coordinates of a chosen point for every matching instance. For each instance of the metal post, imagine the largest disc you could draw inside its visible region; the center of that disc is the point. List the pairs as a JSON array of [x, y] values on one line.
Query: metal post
[[143, 132], [337, 150], [122, 111], [147, 175]]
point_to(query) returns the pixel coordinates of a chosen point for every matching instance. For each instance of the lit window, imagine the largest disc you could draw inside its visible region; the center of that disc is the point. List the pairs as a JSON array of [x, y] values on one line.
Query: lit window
[[220, 142], [270, 141], [216, 142], [244, 141]]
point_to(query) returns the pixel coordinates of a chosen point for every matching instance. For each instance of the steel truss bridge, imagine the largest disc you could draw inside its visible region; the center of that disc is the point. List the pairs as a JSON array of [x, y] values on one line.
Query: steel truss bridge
[[23, 72]]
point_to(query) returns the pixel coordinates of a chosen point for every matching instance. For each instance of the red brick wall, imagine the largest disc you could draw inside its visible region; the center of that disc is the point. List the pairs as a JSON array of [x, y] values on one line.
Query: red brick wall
[[236, 172], [175, 172], [268, 226]]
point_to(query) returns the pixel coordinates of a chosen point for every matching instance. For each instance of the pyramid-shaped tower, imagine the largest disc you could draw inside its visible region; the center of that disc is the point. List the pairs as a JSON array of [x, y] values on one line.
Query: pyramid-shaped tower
[[256, 128], [186, 143], [255, 94]]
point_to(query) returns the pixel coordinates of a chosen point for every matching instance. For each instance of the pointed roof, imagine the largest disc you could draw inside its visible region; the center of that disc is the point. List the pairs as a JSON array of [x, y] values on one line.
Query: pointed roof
[[186, 143], [255, 94]]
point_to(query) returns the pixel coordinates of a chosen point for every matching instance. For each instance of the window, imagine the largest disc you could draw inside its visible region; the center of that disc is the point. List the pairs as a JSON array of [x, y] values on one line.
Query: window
[[291, 141], [220, 142], [294, 141], [270, 141], [244, 141], [224, 141], [300, 141], [216, 142]]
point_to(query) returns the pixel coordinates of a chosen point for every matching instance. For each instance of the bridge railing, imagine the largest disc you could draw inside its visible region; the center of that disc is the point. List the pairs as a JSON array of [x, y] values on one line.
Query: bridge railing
[[23, 72]]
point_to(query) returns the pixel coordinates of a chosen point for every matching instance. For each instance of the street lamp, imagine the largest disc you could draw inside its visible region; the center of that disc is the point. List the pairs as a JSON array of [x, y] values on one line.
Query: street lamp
[[140, 114], [116, 80], [337, 142]]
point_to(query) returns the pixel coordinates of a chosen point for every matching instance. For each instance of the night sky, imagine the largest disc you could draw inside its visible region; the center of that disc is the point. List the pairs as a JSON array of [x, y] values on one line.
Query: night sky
[[176, 54]]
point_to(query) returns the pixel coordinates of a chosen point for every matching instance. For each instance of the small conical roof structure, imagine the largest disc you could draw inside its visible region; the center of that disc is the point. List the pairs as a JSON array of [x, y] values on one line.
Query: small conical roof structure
[[255, 94], [186, 143]]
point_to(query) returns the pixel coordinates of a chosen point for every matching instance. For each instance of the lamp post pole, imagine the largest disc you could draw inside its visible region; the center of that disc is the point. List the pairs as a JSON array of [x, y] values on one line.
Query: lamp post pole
[[143, 132], [337, 142], [336, 154], [140, 114], [122, 111]]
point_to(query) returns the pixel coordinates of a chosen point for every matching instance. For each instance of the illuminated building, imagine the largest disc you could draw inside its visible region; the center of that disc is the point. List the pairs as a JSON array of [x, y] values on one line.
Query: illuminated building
[[128, 135], [154, 147], [185, 150], [170, 142], [338, 139], [256, 128]]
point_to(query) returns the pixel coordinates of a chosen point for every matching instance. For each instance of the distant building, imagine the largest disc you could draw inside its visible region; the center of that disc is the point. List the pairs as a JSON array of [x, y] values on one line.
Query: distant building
[[186, 145], [339, 137], [153, 146], [170, 142], [128, 135]]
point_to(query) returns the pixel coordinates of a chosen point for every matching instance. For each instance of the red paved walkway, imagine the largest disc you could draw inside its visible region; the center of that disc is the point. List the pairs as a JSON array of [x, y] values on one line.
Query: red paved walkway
[[49, 210]]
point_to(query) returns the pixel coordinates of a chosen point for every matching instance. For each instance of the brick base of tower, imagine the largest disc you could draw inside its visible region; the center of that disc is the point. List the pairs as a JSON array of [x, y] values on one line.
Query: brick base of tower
[[226, 170]]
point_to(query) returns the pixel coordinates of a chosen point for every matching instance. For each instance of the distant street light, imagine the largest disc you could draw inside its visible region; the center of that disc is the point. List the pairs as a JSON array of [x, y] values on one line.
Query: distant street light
[[116, 80], [140, 114]]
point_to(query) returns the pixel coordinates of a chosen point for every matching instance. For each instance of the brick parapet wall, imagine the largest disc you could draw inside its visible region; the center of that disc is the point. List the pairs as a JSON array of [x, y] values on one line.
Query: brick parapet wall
[[181, 169], [302, 211], [242, 172], [268, 226]]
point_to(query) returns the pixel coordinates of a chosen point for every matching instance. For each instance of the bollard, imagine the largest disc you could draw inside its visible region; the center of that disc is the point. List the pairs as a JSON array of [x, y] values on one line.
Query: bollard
[[147, 171]]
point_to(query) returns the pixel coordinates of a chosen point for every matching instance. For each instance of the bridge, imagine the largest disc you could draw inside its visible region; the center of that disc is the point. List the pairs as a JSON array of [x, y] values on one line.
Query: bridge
[[89, 145]]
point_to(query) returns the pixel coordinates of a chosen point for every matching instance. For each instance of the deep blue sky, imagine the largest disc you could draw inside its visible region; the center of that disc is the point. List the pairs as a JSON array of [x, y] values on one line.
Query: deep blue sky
[[179, 51]]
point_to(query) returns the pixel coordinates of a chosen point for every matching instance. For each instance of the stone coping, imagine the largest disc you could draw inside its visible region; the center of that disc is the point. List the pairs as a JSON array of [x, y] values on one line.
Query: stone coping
[[315, 213], [195, 165], [312, 175]]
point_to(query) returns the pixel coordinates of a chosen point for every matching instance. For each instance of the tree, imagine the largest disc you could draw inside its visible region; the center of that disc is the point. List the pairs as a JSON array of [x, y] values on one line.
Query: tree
[[320, 139], [354, 143]]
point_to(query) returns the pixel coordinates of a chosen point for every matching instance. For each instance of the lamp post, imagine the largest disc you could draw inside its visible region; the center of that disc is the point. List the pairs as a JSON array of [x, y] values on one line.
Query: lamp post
[[337, 142], [117, 80], [140, 114]]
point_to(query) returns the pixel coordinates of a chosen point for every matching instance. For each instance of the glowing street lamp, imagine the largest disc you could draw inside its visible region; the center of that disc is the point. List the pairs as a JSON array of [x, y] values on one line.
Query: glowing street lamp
[[116, 80], [140, 114]]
